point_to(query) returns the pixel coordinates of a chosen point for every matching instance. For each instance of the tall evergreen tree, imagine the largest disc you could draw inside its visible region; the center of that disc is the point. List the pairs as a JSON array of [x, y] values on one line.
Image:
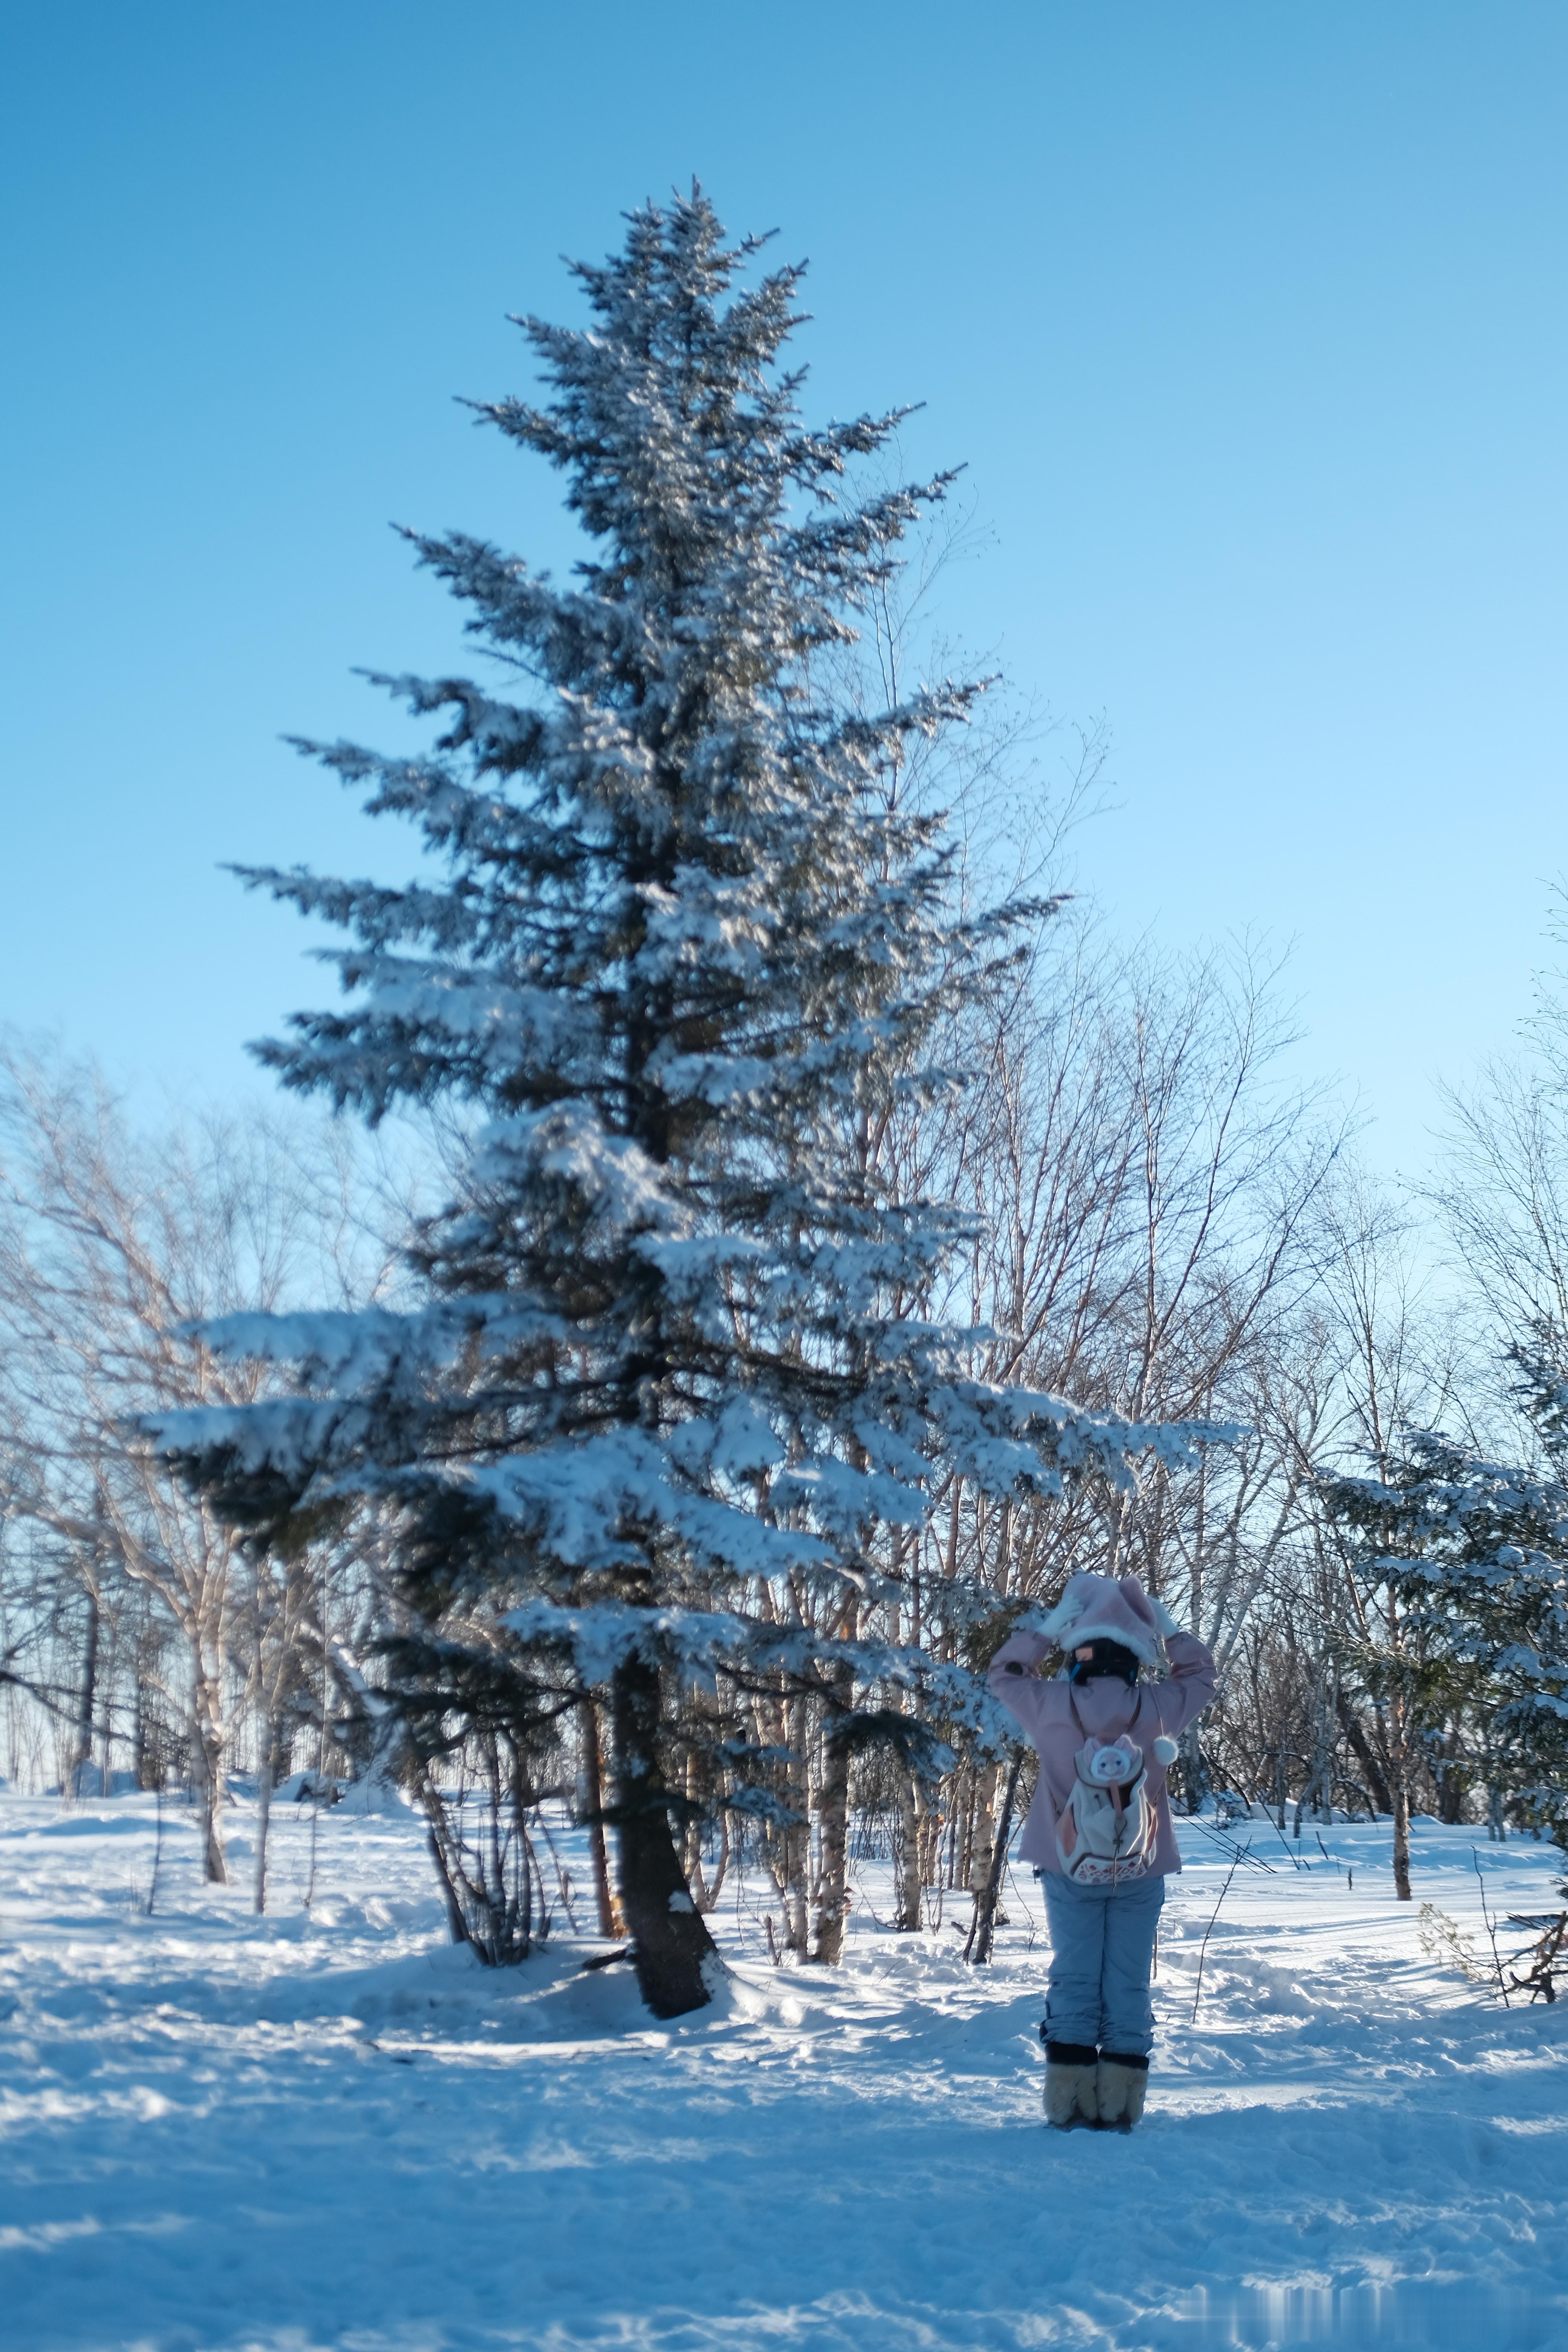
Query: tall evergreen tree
[[1472, 1554], [677, 1375]]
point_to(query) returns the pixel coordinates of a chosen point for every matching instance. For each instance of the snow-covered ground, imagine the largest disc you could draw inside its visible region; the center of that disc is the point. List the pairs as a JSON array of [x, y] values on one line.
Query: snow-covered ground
[[330, 2129]]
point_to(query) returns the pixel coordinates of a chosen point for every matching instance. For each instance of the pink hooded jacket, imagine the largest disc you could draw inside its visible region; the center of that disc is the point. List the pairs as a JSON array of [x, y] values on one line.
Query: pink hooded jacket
[[1091, 1608]]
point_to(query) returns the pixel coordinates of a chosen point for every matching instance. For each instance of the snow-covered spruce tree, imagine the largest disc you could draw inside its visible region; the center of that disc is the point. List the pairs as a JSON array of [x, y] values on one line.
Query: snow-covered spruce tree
[[1472, 1557], [675, 1378]]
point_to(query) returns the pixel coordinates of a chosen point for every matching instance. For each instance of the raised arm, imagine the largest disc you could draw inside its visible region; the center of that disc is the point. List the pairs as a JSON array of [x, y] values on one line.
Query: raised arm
[[1190, 1685], [1013, 1681]]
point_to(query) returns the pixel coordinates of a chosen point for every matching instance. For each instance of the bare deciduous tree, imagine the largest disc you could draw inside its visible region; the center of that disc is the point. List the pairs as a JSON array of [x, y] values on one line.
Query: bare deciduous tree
[[111, 1248]]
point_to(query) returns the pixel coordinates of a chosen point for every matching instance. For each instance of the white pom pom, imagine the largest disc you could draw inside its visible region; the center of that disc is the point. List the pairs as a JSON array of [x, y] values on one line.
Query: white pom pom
[[1166, 1749]]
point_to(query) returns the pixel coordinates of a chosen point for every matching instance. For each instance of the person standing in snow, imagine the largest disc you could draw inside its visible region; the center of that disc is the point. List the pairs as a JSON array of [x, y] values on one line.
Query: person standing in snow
[[1099, 1831]]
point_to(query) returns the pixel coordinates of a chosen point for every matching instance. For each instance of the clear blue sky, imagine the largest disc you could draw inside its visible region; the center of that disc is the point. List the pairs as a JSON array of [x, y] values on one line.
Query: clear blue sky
[[1248, 321]]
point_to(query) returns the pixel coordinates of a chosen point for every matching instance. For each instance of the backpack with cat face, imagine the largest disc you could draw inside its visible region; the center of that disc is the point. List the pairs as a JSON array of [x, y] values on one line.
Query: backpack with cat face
[[1107, 1828]]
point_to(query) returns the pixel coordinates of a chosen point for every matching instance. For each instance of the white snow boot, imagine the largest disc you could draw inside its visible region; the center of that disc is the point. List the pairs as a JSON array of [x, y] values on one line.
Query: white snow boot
[[1119, 2087], [1071, 2085]]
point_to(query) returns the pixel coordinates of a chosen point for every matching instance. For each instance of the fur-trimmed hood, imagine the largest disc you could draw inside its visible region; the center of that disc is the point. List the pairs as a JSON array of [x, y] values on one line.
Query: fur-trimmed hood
[[1099, 1609]]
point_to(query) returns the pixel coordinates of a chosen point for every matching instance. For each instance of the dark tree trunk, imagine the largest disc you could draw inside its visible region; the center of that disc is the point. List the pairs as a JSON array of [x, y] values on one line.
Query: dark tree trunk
[[988, 1901], [455, 1920], [82, 1754], [1451, 1782], [1377, 1784], [672, 1950], [1190, 1772], [593, 1794]]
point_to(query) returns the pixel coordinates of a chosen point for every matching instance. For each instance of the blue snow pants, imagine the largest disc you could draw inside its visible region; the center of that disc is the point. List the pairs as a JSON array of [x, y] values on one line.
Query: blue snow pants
[[1102, 1950]]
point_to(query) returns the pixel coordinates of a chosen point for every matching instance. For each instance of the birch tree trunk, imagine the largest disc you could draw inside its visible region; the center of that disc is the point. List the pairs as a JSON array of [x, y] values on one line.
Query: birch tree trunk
[[1399, 1789], [928, 1838], [833, 1836], [988, 1897], [796, 1841], [264, 1806], [207, 1744], [986, 1780], [907, 1858]]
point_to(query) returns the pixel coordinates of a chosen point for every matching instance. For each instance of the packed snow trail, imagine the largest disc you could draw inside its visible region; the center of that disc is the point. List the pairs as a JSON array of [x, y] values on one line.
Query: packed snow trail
[[329, 2131]]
